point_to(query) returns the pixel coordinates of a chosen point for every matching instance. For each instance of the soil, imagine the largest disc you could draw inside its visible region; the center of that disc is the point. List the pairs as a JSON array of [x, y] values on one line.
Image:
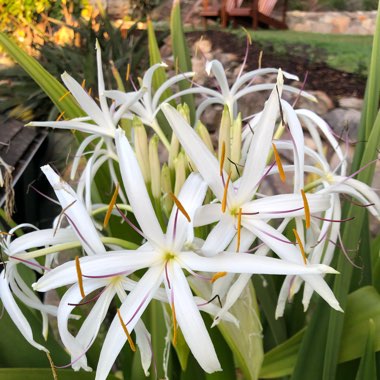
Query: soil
[[320, 76]]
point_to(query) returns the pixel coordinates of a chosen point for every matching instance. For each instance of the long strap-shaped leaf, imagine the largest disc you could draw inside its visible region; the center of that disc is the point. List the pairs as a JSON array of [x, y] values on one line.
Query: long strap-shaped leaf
[[43, 78], [181, 53], [323, 337]]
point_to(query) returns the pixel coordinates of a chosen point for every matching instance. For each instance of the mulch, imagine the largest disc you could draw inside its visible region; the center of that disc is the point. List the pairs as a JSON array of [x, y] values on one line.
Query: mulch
[[320, 76]]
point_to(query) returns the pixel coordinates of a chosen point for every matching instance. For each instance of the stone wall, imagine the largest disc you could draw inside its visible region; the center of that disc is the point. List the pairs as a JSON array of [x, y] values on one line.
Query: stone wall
[[332, 22]]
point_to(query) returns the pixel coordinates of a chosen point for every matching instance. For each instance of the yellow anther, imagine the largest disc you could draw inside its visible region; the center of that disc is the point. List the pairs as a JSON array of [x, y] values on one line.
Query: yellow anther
[[238, 230], [307, 208], [222, 158], [279, 164], [174, 325], [124, 327], [79, 276], [260, 58], [299, 242], [128, 72], [83, 83], [216, 276], [60, 116], [64, 96], [180, 206], [111, 206], [89, 91], [224, 200]]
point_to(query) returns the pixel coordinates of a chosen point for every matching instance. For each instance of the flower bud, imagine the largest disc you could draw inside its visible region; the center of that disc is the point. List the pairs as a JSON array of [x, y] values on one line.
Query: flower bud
[[224, 137], [205, 136], [141, 147], [236, 146], [154, 163]]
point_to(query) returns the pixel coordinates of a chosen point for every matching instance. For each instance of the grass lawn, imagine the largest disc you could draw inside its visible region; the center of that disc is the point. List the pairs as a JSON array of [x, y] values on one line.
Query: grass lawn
[[349, 53]]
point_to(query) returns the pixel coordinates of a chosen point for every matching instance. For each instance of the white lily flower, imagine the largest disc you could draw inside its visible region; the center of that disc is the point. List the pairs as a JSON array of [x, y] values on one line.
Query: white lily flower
[[164, 255], [148, 106], [237, 210], [12, 283]]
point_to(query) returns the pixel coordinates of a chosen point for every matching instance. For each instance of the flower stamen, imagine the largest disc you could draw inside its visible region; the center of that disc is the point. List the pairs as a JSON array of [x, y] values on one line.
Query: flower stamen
[[224, 200], [216, 276], [299, 242], [64, 96], [128, 72], [307, 208], [180, 206], [111, 206], [277, 157], [60, 116], [124, 327], [79, 276]]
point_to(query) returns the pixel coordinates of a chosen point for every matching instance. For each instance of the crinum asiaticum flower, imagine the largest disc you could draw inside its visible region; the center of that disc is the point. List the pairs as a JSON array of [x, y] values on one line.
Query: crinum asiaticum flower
[[100, 122], [12, 283], [238, 213], [164, 256]]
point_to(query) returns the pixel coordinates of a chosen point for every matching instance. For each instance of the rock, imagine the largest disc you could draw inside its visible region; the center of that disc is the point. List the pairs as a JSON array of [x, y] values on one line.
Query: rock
[[341, 120], [354, 103]]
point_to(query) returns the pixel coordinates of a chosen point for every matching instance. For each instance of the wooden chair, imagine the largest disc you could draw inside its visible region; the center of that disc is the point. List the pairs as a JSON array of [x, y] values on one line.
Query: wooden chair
[[259, 11], [213, 9]]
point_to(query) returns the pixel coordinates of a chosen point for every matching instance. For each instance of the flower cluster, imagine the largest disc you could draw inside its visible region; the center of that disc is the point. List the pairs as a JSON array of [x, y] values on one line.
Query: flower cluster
[[216, 212]]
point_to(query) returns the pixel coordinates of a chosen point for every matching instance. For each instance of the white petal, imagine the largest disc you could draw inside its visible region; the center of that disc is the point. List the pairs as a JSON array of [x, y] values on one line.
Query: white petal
[[135, 188], [237, 262], [260, 145], [85, 101], [40, 238], [131, 310], [195, 148], [220, 236], [143, 341], [207, 214], [191, 197], [285, 205], [190, 320], [76, 213], [15, 313], [112, 264]]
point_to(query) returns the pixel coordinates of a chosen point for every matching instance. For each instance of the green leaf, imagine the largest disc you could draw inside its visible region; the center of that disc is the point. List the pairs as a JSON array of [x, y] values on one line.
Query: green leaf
[[367, 368], [245, 341], [362, 305], [181, 54], [43, 78], [45, 374]]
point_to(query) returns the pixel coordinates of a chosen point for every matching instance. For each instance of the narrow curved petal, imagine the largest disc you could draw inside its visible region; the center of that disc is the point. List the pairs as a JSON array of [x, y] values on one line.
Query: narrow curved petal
[[207, 214], [220, 236], [76, 213], [191, 197], [136, 191], [131, 311], [260, 145], [217, 69], [15, 313], [190, 320], [285, 206], [195, 148], [144, 343], [40, 238], [109, 265], [85, 101], [236, 262]]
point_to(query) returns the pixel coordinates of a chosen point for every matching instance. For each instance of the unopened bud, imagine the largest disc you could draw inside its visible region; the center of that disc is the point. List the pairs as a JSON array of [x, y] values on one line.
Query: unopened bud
[[180, 164], [154, 163], [224, 137], [236, 146], [205, 136], [141, 147]]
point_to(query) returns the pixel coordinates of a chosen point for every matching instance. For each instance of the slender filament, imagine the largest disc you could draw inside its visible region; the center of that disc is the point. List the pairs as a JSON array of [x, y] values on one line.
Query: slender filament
[[180, 206], [111, 206], [222, 158], [217, 275], [279, 163], [174, 325], [224, 200], [79, 276], [124, 327], [299, 242], [307, 208]]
